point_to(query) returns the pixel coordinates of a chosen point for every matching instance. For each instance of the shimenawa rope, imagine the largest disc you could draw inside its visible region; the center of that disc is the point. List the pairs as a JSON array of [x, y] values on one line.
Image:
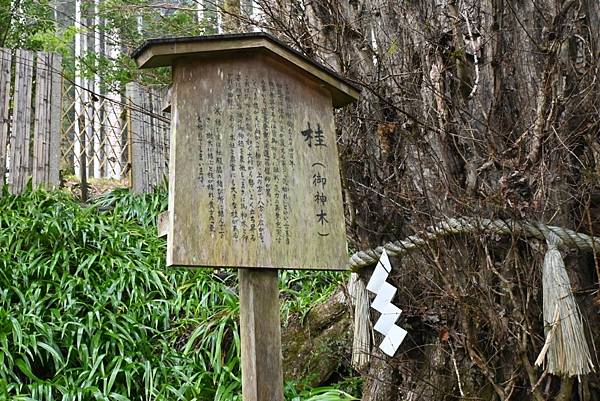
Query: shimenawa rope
[[565, 350]]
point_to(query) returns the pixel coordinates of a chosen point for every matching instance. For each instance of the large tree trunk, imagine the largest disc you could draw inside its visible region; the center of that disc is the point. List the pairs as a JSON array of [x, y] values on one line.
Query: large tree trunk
[[469, 108]]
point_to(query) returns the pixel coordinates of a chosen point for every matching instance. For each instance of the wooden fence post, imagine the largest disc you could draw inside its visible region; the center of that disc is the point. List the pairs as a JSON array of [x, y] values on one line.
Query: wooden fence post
[[41, 123], [46, 127], [5, 64], [136, 128], [21, 122], [55, 120], [148, 142], [35, 112]]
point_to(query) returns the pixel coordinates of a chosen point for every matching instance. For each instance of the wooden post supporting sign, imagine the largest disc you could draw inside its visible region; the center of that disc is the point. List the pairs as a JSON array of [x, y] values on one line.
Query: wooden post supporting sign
[[262, 376], [254, 178]]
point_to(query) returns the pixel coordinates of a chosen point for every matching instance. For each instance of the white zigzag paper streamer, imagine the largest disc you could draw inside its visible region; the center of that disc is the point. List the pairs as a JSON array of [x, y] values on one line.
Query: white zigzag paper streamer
[[386, 324]]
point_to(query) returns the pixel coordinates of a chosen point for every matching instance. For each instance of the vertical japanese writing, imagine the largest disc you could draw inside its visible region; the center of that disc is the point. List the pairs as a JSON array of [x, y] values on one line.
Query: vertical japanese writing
[[289, 129], [243, 166], [250, 157], [219, 184], [314, 137], [286, 159], [200, 124], [265, 138], [211, 168], [210, 174], [319, 184], [233, 90], [275, 165], [260, 205], [246, 159]]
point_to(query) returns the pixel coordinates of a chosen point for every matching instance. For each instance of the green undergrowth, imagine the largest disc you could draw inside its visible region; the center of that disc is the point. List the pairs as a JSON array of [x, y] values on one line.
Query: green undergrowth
[[88, 310]]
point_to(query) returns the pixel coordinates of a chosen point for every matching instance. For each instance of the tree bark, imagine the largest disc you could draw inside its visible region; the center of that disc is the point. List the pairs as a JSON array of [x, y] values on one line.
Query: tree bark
[[469, 108]]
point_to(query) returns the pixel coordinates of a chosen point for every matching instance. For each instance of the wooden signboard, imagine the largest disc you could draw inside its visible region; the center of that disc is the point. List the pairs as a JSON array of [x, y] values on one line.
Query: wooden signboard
[[254, 174], [254, 177]]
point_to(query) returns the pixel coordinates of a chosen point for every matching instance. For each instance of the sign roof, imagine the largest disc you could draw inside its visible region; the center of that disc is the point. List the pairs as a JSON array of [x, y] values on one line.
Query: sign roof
[[165, 51]]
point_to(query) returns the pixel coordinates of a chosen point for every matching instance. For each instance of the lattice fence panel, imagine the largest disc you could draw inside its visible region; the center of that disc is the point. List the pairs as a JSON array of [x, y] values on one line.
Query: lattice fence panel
[[95, 134], [123, 137]]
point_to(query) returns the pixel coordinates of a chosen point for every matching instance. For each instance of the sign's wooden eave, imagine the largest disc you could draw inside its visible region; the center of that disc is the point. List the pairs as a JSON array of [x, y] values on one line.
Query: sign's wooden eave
[[163, 52]]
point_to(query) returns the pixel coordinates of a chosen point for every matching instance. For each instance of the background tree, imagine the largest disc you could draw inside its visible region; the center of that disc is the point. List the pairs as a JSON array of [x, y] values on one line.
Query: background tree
[[469, 108]]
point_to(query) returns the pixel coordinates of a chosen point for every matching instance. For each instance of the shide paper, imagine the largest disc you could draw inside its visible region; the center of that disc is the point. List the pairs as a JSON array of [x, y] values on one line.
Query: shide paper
[[384, 293]]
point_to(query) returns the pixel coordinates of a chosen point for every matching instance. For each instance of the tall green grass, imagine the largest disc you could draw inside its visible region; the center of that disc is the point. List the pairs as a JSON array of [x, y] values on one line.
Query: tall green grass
[[88, 310]]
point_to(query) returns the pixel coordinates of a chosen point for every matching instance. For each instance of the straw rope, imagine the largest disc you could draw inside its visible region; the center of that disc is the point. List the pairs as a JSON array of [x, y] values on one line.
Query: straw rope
[[361, 340], [565, 350], [569, 239]]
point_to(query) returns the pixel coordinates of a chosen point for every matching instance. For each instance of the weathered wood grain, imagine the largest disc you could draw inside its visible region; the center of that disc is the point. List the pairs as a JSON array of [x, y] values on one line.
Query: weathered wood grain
[[166, 104], [153, 138], [162, 224], [165, 135], [162, 137], [134, 97], [46, 120], [41, 119], [158, 139], [20, 164], [215, 123], [145, 141], [149, 140], [262, 377], [5, 81], [35, 121], [55, 94]]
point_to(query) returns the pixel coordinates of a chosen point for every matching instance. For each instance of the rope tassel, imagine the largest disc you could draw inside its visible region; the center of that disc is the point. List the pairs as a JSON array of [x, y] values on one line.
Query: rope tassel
[[565, 351], [361, 346]]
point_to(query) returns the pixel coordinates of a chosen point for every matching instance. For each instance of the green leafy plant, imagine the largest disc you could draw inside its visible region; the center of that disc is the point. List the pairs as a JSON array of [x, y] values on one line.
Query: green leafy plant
[[88, 309], [318, 394], [297, 288]]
